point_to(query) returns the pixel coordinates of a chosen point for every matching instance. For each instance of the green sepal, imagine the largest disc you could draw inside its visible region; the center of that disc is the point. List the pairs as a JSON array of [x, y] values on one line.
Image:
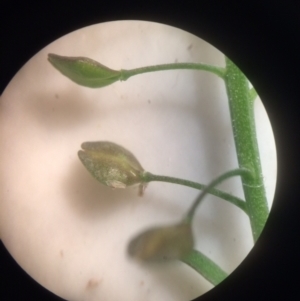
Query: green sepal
[[111, 164], [162, 243], [84, 71]]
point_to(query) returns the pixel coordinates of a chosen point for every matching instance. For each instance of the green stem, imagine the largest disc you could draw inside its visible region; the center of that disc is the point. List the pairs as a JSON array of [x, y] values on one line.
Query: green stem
[[252, 94], [148, 177], [205, 266], [243, 124], [236, 172], [125, 74], [195, 259]]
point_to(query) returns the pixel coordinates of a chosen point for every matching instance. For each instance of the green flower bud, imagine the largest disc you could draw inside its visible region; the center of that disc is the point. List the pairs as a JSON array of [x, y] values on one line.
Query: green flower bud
[[112, 164], [84, 71], [162, 243]]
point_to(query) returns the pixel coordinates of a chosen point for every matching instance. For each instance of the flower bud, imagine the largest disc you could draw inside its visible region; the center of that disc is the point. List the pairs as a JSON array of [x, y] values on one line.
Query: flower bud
[[111, 164], [84, 71], [162, 243]]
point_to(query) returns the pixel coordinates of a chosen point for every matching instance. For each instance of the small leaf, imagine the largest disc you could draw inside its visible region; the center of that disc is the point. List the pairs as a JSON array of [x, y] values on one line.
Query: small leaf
[[84, 71], [162, 243], [111, 164]]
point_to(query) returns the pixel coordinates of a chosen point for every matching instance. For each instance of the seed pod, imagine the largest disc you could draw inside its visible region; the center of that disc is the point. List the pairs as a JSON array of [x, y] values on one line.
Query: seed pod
[[162, 243], [84, 71], [112, 164]]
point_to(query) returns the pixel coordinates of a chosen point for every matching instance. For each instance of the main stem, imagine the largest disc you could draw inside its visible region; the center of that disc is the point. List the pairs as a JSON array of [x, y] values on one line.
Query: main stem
[[243, 124]]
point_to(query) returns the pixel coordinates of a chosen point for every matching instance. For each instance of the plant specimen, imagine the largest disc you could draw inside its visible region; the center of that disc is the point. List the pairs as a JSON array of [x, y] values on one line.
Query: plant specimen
[[117, 167]]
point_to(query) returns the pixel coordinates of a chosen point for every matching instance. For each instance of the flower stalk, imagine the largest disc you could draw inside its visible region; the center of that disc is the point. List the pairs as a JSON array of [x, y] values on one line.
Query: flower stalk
[[205, 266], [236, 172], [148, 177], [219, 71], [90, 73], [116, 167]]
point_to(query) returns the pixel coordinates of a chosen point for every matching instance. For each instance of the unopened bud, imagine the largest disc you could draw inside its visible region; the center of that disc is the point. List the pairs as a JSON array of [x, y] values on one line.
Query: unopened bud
[[162, 243], [84, 71], [111, 164]]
